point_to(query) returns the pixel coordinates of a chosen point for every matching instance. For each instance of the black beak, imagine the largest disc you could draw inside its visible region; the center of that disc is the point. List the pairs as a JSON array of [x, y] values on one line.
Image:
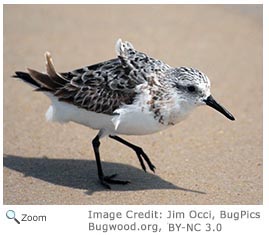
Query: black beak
[[213, 103]]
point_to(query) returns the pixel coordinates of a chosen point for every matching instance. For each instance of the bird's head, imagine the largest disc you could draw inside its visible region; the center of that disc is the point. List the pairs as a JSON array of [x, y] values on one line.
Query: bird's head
[[193, 89]]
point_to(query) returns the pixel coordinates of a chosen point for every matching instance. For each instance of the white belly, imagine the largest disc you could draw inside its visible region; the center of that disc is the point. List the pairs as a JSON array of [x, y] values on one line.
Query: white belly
[[133, 121], [128, 120]]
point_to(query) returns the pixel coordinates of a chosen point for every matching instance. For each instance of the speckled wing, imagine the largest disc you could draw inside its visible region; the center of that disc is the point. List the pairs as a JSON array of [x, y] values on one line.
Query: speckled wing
[[100, 88], [140, 66], [103, 87]]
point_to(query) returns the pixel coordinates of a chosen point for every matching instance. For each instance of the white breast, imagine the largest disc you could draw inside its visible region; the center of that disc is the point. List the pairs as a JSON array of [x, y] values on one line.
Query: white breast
[[128, 120], [136, 120]]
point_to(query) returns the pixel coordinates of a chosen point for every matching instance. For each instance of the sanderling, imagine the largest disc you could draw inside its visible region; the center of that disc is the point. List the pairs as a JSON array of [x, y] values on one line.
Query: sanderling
[[132, 94]]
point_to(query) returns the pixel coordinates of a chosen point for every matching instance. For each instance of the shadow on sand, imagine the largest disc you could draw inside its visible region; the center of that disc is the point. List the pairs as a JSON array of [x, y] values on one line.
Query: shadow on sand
[[82, 174]]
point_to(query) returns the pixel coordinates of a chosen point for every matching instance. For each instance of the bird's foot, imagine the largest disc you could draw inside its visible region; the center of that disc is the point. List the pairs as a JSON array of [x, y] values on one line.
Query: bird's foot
[[106, 180], [142, 155]]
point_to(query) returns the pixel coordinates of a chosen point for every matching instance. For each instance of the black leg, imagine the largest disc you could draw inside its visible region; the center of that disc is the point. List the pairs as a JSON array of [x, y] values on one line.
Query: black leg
[[139, 152], [105, 180]]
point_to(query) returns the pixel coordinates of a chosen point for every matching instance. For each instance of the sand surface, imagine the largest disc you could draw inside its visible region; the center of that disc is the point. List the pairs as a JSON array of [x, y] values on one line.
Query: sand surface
[[206, 159]]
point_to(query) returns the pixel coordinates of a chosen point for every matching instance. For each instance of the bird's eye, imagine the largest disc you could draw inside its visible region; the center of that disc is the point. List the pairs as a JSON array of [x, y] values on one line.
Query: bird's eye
[[191, 88]]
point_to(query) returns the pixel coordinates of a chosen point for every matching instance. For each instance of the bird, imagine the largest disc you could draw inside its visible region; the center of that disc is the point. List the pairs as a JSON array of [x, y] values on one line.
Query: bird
[[132, 94]]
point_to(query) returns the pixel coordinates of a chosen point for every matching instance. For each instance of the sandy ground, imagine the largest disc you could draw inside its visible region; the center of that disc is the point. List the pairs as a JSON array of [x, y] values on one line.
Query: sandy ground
[[206, 159]]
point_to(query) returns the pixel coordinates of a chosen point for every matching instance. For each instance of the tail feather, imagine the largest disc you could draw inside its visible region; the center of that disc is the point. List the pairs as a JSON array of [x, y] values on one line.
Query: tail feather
[[26, 78], [43, 79], [56, 77], [49, 81]]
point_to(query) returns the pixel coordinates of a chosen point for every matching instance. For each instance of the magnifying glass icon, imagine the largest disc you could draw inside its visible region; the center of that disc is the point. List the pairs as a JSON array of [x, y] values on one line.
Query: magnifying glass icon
[[11, 215]]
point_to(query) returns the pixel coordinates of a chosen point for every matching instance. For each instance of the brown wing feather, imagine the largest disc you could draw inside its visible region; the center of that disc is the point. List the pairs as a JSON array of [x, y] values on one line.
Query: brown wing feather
[[101, 88]]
